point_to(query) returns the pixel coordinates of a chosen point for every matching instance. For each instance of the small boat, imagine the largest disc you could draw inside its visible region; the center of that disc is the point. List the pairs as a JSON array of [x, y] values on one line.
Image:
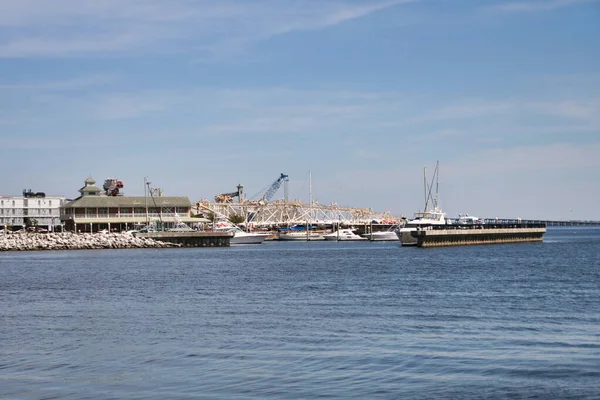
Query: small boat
[[466, 219], [388, 235], [300, 232], [242, 237], [300, 235], [343, 235]]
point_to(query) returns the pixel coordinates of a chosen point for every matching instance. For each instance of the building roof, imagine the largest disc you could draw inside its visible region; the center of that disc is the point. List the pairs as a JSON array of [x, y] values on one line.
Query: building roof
[[90, 187], [128, 201]]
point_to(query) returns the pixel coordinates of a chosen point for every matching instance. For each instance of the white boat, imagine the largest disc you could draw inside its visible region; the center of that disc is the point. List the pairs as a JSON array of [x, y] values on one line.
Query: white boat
[[241, 237], [388, 235], [421, 220], [466, 219], [434, 216], [343, 234], [300, 235]]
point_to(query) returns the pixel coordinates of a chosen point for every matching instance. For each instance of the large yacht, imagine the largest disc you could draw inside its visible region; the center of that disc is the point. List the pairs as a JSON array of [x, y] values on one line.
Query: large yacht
[[429, 217], [421, 220]]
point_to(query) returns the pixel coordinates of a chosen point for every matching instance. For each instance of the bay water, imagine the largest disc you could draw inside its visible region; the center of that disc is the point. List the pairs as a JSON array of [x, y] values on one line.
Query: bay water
[[305, 320]]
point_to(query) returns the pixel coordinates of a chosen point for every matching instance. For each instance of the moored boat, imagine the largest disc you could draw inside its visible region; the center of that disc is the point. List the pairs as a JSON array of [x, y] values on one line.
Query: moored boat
[[387, 235], [426, 218], [300, 235], [343, 235], [241, 237], [422, 220]]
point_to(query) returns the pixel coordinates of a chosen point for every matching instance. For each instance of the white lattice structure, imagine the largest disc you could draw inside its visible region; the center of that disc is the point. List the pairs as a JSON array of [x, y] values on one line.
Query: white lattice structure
[[282, 213]]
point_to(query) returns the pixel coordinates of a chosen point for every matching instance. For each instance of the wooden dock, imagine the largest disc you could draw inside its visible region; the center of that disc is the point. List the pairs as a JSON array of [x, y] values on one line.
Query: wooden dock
[[191, 239], [444, 235]]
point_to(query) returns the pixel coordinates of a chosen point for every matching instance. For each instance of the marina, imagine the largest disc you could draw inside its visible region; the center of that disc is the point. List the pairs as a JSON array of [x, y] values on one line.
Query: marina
[[232, 218]]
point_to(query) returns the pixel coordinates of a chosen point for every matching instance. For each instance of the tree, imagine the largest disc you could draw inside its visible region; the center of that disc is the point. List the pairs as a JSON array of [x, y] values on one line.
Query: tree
[[236, 219], [211, 216], [30, 222]]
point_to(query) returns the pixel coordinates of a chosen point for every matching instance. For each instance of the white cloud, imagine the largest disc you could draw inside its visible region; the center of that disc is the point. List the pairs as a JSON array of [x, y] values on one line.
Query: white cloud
[[63, 28], [539, 5]]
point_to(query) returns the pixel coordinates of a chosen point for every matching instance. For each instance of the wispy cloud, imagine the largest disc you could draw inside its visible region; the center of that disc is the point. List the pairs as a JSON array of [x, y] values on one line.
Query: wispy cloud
[[537, 5], [341, 116], [63, 28], [64, 84]]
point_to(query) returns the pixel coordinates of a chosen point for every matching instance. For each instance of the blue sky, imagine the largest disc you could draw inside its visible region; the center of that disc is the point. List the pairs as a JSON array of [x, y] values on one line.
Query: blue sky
[[199, 96]]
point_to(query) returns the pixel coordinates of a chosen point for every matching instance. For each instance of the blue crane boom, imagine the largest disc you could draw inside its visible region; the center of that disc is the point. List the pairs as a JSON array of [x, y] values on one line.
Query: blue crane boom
[[274, 187]]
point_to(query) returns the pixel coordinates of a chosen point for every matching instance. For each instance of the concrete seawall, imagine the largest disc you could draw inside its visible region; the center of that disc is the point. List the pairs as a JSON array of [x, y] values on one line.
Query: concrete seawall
[[190, 239], [474, 236]]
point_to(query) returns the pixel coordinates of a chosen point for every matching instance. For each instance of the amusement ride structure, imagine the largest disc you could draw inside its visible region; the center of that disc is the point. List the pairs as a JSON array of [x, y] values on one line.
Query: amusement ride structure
[[263, 211]]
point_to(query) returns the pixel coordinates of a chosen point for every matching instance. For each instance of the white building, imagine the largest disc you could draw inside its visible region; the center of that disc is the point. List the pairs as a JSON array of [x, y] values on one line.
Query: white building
[[30, 209]]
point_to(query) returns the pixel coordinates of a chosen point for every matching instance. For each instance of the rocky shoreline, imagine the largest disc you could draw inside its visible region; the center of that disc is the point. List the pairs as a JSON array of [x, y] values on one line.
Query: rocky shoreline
[[76, 241]]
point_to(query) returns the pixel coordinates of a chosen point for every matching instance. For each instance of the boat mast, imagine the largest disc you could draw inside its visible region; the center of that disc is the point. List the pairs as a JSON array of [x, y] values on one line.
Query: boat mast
[[437, 183], [425, 187], [146, 199], [310, 201]]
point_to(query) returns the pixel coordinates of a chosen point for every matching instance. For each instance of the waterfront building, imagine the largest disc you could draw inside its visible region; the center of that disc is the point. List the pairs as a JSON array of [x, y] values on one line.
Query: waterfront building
[[96, 209], [32, 209]]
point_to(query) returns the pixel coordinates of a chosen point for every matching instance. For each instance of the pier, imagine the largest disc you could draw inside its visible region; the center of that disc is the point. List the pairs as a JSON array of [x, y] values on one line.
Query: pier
[[461, 235], [546, 222], [190, 239]]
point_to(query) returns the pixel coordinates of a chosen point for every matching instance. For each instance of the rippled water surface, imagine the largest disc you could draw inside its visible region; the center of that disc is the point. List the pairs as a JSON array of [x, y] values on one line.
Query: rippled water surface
[[305, 320]]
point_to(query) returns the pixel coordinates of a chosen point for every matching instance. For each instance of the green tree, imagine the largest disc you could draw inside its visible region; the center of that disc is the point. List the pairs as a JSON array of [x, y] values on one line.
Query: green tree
[[236, 219], [211, 216]]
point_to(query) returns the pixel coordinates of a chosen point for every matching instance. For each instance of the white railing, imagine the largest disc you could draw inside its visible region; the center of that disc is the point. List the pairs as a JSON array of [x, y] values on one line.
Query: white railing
[[124, 215]]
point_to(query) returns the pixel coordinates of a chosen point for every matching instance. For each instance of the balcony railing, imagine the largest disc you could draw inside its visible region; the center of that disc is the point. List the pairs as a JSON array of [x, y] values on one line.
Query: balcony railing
[[125, 215]]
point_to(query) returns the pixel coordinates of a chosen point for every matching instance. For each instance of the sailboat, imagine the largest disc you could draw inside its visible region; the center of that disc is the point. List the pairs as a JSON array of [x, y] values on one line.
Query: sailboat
[[428, 217]]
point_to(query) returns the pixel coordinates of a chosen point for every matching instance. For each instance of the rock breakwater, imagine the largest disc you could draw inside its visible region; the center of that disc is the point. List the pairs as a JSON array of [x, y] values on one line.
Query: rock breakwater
[[76, 241]]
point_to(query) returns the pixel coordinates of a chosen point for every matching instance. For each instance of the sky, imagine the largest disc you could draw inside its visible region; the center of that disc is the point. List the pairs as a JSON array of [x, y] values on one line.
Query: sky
[[350, 98]]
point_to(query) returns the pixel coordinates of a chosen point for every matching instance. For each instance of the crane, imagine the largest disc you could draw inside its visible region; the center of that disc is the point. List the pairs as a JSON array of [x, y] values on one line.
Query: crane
[[274, 187], [228, 197]]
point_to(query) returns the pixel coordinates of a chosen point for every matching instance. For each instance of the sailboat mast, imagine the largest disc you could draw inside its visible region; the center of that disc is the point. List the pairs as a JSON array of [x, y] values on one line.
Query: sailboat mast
[[425, 187], [437, 182], [146, 200], [310, 201], [310, 188]]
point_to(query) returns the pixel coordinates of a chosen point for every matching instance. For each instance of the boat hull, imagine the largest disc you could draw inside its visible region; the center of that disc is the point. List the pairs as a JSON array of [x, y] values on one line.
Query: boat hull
[[300, 236], [344, 239], [248, 239], [406, 238], [343, 235], [381, 236]]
